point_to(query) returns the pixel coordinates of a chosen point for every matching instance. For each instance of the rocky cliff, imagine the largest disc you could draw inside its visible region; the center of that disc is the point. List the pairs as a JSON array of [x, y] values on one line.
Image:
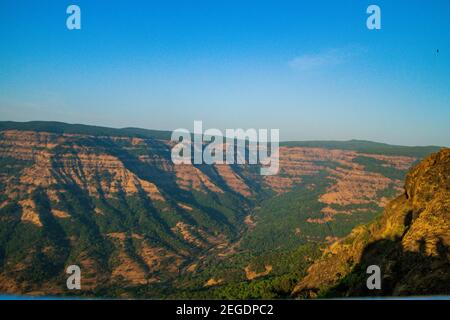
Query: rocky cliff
[[409, 242]]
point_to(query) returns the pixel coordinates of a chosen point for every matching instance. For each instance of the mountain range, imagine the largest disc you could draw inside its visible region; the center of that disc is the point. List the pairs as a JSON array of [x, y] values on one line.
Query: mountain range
[[112, 202]]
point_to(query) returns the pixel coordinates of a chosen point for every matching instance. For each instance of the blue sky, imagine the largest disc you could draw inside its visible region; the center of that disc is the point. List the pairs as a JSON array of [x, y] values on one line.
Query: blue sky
[[310, 68]]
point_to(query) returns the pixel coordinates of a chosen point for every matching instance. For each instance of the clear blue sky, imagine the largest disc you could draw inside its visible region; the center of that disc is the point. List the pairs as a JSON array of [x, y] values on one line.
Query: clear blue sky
[[310, 68]]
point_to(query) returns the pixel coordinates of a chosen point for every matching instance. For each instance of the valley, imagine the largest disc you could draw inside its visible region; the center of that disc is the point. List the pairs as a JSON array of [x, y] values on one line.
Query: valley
[[112, 202]]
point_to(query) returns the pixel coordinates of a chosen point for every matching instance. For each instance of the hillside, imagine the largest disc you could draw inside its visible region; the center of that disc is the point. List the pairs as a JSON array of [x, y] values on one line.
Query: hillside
[[410, 242], [111, 201]]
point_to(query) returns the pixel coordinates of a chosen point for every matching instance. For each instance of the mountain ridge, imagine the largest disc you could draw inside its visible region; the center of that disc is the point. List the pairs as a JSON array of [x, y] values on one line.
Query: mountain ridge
[[353, 144]]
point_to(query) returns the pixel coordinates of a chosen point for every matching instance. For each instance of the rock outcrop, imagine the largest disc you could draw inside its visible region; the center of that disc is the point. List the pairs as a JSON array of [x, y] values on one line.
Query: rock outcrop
[[409, 242]]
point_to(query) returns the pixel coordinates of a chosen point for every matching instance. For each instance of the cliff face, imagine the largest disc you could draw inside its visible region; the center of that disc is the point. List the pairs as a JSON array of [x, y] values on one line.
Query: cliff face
[[409, 242], [116, 206]]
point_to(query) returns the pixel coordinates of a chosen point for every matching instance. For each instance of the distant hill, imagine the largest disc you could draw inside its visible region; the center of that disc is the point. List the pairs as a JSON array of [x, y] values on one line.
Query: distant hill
[[356, 145], [66, 128], [367, 147]]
